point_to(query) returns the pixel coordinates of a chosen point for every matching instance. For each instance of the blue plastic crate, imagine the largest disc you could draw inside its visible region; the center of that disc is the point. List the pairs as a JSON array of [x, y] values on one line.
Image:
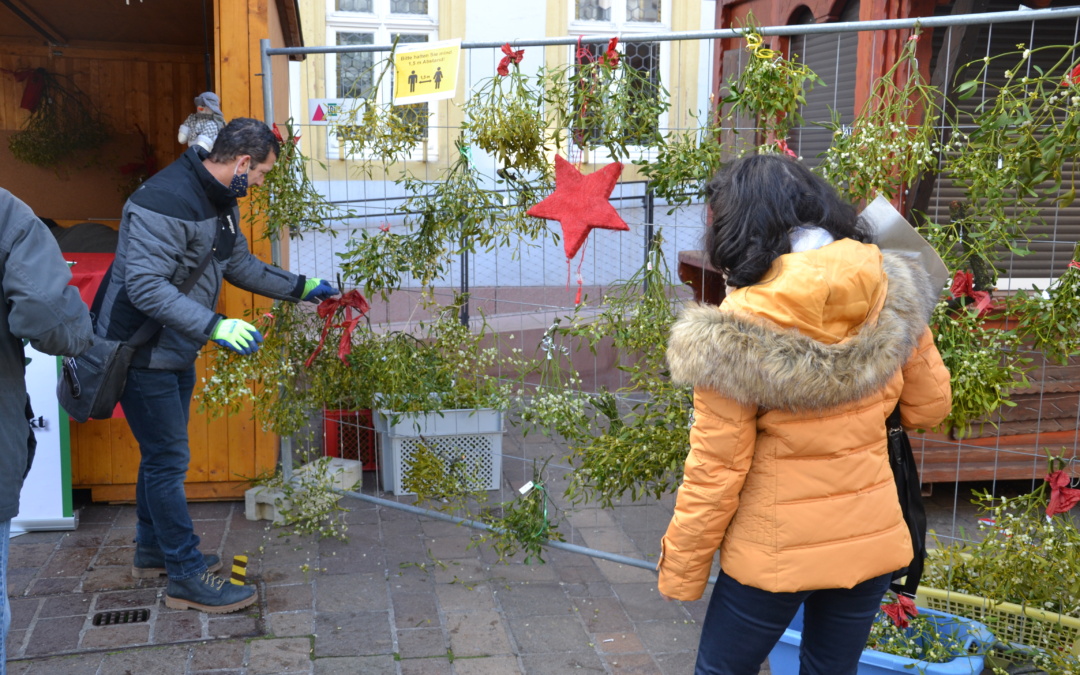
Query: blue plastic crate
[[784, 658]]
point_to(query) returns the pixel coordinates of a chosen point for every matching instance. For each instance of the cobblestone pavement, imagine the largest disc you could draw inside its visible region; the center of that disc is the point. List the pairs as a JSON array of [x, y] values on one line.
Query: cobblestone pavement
[[406, 595]]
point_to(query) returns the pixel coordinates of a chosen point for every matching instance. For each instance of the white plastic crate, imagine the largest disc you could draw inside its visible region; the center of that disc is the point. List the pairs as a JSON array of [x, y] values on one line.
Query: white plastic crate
[[472, 436]]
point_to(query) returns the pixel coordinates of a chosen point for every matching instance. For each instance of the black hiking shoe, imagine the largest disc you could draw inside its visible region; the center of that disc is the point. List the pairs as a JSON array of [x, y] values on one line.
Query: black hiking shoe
[[149, 563]]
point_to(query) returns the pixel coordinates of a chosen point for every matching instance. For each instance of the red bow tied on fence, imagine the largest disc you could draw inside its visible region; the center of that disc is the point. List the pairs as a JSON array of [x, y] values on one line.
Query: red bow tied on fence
[[511, 57], [963, 286], [328, 309], [610, 58], [1062, 497]]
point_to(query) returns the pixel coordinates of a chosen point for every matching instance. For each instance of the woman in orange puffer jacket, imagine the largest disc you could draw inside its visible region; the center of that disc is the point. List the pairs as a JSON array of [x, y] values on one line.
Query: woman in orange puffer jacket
[[818, 339]]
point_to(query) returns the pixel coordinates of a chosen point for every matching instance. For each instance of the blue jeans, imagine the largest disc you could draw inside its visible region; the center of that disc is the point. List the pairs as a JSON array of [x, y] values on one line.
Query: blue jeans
[[157, 404], [743, 624], [5, 607]]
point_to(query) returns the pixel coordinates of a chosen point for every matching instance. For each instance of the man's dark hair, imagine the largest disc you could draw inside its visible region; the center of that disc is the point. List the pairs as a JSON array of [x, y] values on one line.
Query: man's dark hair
[[244, 136], [757, 201]]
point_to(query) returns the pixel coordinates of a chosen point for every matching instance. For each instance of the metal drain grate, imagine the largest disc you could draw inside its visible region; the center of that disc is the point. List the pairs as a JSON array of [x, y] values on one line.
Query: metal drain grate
[[121, 616]]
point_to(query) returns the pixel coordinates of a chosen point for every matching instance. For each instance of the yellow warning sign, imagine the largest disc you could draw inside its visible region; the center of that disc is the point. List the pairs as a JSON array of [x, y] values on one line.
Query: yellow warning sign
[[426, 71]]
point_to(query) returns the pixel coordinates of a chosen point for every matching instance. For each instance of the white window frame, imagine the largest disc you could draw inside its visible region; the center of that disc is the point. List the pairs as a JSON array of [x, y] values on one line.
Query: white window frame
[[626, 31], [383, 25]]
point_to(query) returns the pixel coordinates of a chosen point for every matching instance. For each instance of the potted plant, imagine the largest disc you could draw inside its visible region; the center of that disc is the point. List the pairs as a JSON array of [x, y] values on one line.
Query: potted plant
[[1022, 579]]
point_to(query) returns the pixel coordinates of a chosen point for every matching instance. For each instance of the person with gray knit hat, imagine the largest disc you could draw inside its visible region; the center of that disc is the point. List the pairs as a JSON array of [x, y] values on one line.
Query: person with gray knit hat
[[202, 126]]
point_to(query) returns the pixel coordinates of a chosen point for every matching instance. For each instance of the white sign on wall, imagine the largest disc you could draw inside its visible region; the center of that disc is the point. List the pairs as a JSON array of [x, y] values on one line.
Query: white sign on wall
[[45, 500]]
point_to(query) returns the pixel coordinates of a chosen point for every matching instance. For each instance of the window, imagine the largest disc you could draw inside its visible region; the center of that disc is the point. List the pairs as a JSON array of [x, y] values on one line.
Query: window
[[350, 75], [624, 18]]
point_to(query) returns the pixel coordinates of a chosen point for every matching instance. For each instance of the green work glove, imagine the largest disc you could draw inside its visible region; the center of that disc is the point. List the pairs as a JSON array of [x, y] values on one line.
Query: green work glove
[[317, 290], [239, 336]]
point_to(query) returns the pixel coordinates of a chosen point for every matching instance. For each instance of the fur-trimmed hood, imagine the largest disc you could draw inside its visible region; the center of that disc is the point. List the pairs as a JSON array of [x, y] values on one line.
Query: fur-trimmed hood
[[744, 352]]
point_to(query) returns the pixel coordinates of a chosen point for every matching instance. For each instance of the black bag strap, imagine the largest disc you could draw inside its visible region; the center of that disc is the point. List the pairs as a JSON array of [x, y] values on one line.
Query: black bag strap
[[150, 327], [909, 491]]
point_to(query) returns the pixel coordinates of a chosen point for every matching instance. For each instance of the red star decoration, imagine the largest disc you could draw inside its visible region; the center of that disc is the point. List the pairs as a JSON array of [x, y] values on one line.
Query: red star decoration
[[580, 203]]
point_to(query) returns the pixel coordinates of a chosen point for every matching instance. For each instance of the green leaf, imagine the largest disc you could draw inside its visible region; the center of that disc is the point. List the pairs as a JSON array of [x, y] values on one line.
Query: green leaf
[[1066, 199]]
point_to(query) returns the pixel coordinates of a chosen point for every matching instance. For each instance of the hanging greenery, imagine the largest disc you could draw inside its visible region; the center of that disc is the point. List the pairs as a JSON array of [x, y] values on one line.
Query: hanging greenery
[[288, 201], [63, 121]]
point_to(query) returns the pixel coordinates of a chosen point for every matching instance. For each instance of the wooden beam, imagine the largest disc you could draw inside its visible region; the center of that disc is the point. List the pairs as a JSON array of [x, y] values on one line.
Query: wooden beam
[[34, 21]]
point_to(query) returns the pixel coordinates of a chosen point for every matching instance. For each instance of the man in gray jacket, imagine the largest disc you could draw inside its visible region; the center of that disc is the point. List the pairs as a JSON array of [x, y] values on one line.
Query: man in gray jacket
[[177, 218], [37, 306]]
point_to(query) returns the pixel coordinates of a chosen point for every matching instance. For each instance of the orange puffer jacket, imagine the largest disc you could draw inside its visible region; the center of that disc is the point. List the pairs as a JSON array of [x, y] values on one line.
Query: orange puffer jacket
[[788, 472]]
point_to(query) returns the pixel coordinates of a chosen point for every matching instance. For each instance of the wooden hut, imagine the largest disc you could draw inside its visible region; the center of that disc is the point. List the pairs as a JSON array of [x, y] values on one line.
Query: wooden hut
[[141, 63]]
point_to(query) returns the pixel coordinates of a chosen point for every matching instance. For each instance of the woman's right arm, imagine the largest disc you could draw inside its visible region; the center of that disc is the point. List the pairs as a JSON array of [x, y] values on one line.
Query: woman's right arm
[[722, 442], [927, 396]]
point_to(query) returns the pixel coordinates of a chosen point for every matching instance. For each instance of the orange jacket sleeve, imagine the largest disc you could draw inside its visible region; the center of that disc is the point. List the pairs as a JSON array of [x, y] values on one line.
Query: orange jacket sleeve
[[927, 396]]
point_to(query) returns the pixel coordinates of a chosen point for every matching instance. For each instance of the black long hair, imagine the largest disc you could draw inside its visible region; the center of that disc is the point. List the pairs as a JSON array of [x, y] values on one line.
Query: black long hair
[[756, 202]]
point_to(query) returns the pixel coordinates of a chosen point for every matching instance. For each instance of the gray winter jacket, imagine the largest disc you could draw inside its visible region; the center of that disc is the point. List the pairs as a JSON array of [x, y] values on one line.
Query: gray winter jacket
[[37, 306], [168, 226]]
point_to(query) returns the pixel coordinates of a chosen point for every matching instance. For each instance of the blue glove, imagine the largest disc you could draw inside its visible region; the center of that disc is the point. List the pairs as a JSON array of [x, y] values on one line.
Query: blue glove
[[317, 290], [239, 336]]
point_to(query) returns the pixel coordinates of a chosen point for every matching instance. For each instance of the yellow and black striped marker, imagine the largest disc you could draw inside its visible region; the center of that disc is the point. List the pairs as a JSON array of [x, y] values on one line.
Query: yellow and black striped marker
[[239, 570]]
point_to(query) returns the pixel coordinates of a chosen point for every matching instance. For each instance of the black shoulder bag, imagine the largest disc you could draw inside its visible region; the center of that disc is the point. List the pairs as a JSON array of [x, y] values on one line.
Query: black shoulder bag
[[92, 382], [909, 490]]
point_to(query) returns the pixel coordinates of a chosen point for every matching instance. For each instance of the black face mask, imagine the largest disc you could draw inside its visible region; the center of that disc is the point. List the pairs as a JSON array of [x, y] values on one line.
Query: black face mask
[[238, 187]]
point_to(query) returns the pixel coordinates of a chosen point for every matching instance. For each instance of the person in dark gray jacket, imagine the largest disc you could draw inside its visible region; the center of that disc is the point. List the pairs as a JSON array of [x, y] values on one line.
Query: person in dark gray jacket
[[169, 225], [37, 306]]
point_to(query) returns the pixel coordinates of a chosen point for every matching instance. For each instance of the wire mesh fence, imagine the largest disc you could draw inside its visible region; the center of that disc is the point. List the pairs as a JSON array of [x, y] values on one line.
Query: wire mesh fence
[[518, 286]]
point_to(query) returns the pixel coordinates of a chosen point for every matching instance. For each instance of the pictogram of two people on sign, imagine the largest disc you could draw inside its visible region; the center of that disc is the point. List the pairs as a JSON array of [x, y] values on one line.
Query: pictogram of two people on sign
[[414, 78]]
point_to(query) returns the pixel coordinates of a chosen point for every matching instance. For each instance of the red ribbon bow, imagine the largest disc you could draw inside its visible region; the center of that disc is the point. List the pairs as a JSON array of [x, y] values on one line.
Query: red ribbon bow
[[1072, 78], [1062, 497], [511, 57], [611, 56], [782, 144], [281, 139], [901, 610], [35, 86], [963, 286], [328, 309]]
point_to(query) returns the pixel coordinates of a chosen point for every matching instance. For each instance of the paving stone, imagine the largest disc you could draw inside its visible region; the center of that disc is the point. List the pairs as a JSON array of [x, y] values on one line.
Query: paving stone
[[676, 663], [539, 599], [52, 636], [126, 599], [109, 637], [486, 665], [618, 573], [668, 636], [178, 627], [279, 655], [98, 514], [341, 563], [415, 610], [217, 654], [518, 572], [432, 666], [79, 664], [603, 615], [210, 511], [23, 610], [292, 624], [617, 643], [108, 579], [579, 574], [18, 667], [462, 598], [289, 598], [18, 581], [541, 634], [561, 664], [69, 562], [63, 605], [53, 585], [227, 626], [346, 593], [88, 536], [283, 574], [631, 664], [115, 555], [470, 571], [477, 634], [352, 634], [29, 555], [151, 661], [120, 536], [643, 601], [421, 642], [352, 665], [14, 642]]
